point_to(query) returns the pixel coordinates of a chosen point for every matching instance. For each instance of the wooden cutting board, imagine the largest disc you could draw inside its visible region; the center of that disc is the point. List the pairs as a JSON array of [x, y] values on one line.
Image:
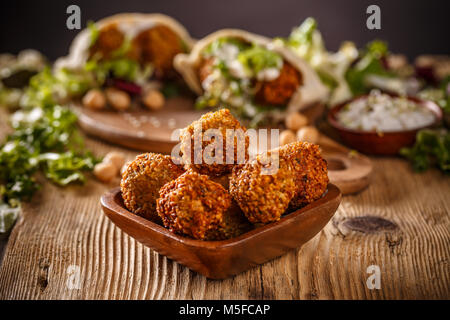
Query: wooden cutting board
[[151, 131]]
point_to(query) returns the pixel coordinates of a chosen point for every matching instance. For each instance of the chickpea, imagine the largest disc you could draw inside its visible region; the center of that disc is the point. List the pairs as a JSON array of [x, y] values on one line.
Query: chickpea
[[105, 171], [295, 121], [286, 137], [116, 158], [153, 99], [118, 99], [308, 134], [94, 99]]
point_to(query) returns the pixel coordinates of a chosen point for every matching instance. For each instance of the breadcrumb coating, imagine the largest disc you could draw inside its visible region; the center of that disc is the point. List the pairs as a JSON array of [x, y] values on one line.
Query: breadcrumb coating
[[220, 121], [279, 91], [158, 46], [192, 205], [142, 180], [263, 197], [311, 173], [223, 180]]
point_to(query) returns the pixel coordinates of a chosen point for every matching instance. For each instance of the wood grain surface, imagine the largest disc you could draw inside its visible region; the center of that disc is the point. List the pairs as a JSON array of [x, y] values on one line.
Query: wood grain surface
[[403, 227]]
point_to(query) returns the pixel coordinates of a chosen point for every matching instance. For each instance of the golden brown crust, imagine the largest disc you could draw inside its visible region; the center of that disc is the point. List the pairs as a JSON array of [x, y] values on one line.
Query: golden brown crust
[[311, 174], [262, 197], [234, 224], [142, 180], [220, 120], [110, 38], [158, 46], [192, 205], [280, 90], [223, 180]]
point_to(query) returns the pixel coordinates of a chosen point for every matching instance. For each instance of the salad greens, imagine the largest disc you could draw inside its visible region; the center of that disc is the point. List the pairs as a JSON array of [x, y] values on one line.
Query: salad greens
[[213, 47], [94, 32], [47, 88], [432, 148], [45, 139], [119, 65], [122, 68], [440, 95], [306, 41], [256, 59], [8, 216]]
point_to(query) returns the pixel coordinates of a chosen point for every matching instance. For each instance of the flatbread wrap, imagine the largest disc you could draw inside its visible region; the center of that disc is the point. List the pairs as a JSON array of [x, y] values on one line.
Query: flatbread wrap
[[245, 72], [128, 44]]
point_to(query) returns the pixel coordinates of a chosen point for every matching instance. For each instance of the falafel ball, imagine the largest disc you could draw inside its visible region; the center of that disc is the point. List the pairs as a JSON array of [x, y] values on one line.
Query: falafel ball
[[192, 205], [311, 173], [223, 180], [142, 180], [158, 46], [110, 38], [263, 189], [280, 90], [210, 152], [234, 224]]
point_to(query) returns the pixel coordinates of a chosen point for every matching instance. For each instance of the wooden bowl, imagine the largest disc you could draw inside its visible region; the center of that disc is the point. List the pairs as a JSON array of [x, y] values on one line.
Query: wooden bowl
[[222, 259], [387, 143]]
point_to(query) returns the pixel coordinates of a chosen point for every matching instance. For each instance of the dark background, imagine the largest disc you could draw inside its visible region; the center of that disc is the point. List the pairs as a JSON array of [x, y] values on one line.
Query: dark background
[[410, 27]]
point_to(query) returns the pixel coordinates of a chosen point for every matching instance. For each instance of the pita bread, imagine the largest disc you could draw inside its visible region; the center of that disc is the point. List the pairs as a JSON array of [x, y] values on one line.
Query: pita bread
[[130, 24]]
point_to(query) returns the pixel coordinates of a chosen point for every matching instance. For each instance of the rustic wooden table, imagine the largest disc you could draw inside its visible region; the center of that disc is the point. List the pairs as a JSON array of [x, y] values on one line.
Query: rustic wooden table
[[63, 247]]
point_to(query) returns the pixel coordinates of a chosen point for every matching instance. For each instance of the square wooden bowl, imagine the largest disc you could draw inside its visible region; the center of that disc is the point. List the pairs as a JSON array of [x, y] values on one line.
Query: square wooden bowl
[[223, 259]]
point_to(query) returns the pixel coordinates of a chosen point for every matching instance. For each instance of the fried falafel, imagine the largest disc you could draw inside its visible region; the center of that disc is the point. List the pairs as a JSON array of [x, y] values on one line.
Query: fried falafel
[[192, 205], [280, 90], [223, 180], [234, 223], [142, 180], [158, 46], [109, 39], [262, 193], [208, 154], [311, 174]]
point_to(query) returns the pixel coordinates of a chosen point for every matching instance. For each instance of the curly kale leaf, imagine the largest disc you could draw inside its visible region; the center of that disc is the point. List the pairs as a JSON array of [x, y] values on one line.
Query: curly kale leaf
[[432, 148]]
